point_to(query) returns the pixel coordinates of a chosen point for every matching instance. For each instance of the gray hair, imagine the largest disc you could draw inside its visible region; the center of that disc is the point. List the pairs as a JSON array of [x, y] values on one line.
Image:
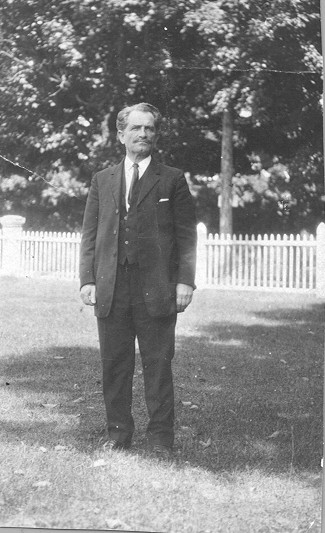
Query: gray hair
[[123, 115]]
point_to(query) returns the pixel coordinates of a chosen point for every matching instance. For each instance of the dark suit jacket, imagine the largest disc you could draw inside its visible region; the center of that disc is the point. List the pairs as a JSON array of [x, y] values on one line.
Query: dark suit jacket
[[166, 228]]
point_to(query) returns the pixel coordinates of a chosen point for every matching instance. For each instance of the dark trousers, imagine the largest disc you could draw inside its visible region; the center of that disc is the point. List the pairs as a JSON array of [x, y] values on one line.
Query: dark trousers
[[127, 320]]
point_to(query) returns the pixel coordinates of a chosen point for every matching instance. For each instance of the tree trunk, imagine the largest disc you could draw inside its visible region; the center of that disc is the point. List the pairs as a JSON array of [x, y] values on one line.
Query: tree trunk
[[227, 169]]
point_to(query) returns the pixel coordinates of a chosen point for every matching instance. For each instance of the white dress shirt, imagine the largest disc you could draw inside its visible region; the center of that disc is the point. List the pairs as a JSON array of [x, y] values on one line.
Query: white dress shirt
[[128, 171]]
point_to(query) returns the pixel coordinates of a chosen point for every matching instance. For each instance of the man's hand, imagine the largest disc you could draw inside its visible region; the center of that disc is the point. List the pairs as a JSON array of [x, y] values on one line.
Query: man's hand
[[184, 295], [88, 294]]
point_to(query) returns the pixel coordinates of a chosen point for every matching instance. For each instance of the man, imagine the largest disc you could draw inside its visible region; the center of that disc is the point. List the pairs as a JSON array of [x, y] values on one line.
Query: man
[[137, 268]]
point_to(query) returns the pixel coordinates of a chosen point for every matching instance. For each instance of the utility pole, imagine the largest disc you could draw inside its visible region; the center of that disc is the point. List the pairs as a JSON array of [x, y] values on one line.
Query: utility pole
[[227, 170]]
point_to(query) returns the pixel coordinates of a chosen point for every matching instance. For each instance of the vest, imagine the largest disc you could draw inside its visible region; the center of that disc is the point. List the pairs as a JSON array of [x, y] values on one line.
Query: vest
[[128, 238]]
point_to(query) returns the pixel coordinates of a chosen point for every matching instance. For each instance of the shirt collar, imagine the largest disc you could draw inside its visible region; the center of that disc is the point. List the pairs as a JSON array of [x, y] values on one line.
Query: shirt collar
[[142, 165]]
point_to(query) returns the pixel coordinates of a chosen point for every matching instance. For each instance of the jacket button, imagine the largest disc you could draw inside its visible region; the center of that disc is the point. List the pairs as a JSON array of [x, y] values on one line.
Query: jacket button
[[115, 232], [126, 242], [117, 211], [127, 229]]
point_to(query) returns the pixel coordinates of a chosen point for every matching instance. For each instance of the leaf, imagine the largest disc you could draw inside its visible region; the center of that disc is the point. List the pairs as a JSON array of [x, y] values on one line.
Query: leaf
[[79, 400], [274, 435], [100, 462], [208, 494], [76, 386], [49, 405], [157, 485], [59, 447], [194, 407], [115, 523], [41, 484], [58, 357], [42, 449], [186, 404], [206, 444]]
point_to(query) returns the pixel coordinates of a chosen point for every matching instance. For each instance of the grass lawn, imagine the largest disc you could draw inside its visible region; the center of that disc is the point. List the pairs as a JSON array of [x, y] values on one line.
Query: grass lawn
[[248, 382]]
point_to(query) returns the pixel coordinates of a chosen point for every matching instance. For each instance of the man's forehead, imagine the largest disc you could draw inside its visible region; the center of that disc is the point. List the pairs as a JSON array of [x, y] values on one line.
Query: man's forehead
[[140, 117]]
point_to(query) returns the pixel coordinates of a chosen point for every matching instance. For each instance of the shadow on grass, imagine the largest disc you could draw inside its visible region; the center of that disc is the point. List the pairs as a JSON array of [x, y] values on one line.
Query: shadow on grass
[[256, 391], [259, 389]]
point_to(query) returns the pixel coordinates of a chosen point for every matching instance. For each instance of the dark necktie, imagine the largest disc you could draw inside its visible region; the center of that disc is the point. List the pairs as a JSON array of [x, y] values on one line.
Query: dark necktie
[[135, 178]]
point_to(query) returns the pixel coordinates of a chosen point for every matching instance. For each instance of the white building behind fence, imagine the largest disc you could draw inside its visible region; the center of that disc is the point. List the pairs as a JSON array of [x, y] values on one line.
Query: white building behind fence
[[268, 262]]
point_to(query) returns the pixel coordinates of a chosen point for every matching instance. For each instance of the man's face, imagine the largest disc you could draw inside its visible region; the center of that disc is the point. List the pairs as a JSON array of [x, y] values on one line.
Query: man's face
[[139, 136]]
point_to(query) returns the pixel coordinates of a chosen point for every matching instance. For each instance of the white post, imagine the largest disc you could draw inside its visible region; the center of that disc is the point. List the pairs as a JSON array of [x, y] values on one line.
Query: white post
[[201, 264], [320, 260], [11, 243]]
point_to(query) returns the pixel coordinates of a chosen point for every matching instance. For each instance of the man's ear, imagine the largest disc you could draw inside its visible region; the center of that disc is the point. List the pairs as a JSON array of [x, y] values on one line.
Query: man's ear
[[120, 135], [157, 139]]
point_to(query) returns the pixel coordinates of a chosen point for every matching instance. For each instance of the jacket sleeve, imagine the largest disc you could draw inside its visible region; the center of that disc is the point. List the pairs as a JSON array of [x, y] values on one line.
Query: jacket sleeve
[[89, 234], [185, 232]]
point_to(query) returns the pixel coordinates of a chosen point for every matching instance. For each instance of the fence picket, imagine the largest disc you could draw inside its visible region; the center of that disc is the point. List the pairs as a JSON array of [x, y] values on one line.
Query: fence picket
[[265, 256], [271, 281], [259, 261], [252, 262], [246, 269], [298, 254], [240, 261], [311, 263], [284, 261], [291, 261], [304, 264]]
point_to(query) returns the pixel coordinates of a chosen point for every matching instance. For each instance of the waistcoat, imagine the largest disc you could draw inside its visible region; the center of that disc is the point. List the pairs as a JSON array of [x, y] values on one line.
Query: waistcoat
[[128, 238]]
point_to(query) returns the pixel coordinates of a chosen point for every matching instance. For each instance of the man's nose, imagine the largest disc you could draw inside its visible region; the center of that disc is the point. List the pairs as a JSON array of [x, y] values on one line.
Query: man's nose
[[143, 132]]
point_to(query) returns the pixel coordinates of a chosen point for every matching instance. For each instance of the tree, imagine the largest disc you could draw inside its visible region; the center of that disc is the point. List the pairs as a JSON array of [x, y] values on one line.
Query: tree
[[227, 172], [67, 68], [267, 64]]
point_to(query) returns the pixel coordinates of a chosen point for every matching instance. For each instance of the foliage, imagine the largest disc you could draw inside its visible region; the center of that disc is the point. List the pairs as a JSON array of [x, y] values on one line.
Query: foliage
[[68, 67], [273, 198], [267, 63]]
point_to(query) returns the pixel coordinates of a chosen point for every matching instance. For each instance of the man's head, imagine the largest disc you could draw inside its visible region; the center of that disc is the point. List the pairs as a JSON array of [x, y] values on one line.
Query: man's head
[[138, 129]]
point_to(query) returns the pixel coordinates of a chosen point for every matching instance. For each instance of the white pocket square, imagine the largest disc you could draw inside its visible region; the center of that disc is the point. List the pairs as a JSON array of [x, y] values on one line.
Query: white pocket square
[[164, 200]]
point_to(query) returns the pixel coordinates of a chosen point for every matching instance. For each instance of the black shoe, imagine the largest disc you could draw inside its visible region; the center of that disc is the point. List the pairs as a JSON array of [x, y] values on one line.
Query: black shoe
[[112, 444], [160, 451]]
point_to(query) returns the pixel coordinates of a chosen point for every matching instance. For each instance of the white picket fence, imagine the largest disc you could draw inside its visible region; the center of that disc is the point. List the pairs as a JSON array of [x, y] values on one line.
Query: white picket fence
[[288, 263], [50, 253], [268, 262], [262, 262]]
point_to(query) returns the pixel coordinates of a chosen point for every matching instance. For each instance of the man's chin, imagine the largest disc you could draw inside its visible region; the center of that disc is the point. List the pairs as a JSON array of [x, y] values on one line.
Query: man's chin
[[145, 151]]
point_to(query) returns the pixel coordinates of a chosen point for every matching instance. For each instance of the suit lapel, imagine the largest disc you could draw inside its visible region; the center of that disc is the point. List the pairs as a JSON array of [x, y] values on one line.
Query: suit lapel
[[116, 182], [150, 179]]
